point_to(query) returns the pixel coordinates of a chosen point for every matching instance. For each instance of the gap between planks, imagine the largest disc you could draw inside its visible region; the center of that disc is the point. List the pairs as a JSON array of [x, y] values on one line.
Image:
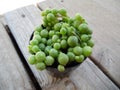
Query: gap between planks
[[12, 73], [93, 59], [25, 64]]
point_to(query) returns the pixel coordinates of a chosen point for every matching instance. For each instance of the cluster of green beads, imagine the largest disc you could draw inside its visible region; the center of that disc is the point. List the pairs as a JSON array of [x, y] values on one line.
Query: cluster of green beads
[[60, 39]]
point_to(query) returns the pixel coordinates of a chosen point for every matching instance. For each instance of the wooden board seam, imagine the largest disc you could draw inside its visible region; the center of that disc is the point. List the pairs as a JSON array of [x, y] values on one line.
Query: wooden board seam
[[93, 59], [25, 64]]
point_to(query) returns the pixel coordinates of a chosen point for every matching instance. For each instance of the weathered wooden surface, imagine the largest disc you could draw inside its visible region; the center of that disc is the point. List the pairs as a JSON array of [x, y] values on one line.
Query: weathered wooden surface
[[103, 17], [2, 19], [22, 22], [85, 75], [13, 76]]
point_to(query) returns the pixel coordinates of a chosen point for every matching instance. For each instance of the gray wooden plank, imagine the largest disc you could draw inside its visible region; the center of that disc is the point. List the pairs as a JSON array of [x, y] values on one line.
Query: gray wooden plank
[[2, 19], [86, 77], [21, 23], [103, 17], [13, 76], [22, 28]]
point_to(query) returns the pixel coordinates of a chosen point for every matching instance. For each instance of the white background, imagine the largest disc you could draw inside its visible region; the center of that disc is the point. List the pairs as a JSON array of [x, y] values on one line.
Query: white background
[[8, 5]]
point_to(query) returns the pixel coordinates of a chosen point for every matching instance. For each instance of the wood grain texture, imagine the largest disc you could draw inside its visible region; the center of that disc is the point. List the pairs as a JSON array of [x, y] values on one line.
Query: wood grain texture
[[103, 17], [86, 74], [13, 76], [21, 23]]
